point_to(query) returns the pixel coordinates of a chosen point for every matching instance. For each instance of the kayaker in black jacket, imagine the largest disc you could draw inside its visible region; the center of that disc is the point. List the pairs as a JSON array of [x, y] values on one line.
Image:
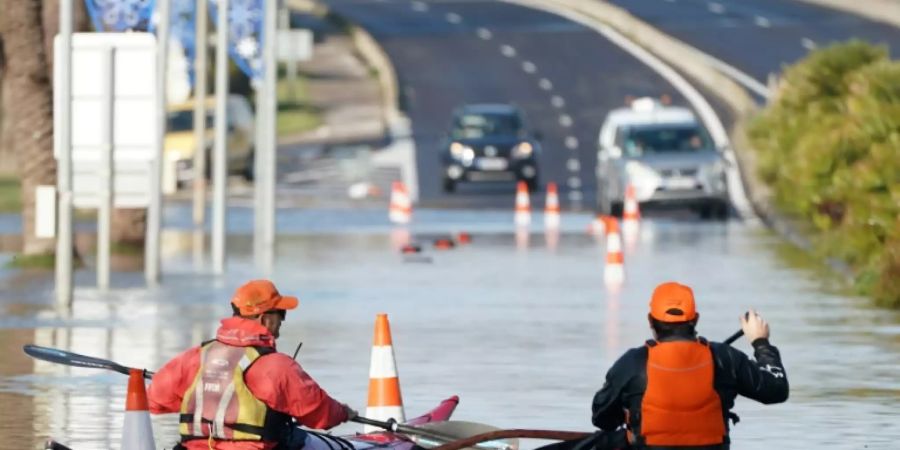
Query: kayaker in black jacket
[[678, 389]]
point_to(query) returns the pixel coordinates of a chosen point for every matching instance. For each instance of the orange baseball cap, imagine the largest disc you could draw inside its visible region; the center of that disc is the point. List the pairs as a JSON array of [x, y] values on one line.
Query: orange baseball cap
[[673, 302], [259, 296]]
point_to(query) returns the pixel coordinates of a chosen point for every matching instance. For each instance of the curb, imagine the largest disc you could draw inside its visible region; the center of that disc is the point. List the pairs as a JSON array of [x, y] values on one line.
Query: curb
[[884, 11], [376, 58]]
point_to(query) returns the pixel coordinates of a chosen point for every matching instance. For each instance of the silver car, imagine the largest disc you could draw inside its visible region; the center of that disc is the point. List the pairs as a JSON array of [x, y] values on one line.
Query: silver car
[[665, 154]]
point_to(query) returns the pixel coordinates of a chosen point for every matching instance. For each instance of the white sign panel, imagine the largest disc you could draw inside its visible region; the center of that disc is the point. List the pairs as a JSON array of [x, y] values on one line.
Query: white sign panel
[[294, 45], [134, 125]]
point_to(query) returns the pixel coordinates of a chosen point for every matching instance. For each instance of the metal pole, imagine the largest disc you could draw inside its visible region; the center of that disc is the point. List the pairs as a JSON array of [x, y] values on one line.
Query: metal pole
[[104, 213], [259, 158], [200, 155], [154, 211], [220, 168], [271, 89], [64, 165]]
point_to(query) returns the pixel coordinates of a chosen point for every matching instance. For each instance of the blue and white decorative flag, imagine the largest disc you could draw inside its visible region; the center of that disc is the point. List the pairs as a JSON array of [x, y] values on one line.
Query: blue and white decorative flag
[[182, 27], [245, 37], [120, 15]]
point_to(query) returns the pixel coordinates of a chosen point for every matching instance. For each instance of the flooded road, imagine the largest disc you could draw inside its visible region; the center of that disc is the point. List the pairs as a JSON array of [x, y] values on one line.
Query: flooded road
[[523, 332]]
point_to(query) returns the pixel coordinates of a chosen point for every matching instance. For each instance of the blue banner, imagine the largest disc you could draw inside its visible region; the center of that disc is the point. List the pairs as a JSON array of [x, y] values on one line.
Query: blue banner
[[120, 15], [183, 26], [245, 37]]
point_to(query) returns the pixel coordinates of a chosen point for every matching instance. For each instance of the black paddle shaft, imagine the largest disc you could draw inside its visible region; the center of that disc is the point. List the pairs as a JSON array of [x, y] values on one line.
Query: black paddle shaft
[[74, 359]]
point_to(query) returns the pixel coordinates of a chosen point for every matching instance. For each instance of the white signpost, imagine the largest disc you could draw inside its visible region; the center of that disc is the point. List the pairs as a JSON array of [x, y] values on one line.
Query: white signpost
[[114, 127]]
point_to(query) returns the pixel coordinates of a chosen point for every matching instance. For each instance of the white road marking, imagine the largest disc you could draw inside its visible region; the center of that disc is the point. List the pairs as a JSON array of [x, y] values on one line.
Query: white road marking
[[484, 33], [508, 50], [574, 182], [762, 22], [700, 104], [454, 18], [575, 196], [565, 120], [558, 101], [573, 165], [545, 84], [419, 6], [716, 8], [808, 43], [572, 143], [670, 1], [529, 67]]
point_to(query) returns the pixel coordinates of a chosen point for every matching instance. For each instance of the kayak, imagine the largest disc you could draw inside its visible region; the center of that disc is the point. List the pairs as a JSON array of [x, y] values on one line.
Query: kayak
[[382, 439]]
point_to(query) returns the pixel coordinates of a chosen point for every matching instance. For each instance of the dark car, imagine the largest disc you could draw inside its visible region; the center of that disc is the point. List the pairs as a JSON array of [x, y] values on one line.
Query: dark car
[[489, 142]]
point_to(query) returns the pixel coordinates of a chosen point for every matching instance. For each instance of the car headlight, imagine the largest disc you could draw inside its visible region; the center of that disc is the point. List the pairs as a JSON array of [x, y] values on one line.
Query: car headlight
[[457, 150], [523, 150], [639, 173]]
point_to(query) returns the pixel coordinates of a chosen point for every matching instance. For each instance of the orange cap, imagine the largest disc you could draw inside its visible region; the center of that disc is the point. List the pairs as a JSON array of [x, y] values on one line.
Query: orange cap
[[673, 302], [259, 296]]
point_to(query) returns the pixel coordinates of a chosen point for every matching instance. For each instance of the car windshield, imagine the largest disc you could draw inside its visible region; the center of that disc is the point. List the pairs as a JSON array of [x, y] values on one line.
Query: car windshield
[[475, 126], [184, 120], [664, 139]]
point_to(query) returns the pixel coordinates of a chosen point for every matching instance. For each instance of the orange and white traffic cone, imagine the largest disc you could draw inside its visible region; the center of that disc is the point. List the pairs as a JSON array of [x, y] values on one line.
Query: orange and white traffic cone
[[137, 434], [614, 272], [385, 401], [523, 205], [551, 207], [597, 227], [631, 213], [401, 206]]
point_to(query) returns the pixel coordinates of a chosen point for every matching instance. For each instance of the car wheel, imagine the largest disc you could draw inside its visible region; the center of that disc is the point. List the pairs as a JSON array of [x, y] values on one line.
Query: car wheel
[[250, 168], [533, 184], [714, 210], [616, 209], [449, 186]]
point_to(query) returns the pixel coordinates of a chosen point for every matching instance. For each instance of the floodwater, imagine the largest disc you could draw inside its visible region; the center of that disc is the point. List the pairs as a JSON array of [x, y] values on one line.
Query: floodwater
[[522, 331]]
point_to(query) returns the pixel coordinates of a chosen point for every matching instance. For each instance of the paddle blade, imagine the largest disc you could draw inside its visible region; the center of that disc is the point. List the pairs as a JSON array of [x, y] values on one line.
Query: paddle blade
[[440, 433], [71, 359]]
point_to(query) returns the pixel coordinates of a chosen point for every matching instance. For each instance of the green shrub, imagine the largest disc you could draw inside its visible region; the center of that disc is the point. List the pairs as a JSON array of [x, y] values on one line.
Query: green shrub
[[830, 147]]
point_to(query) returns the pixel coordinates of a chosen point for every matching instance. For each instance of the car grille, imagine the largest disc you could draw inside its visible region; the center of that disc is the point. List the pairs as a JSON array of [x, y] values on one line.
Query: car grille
[[687, 172]]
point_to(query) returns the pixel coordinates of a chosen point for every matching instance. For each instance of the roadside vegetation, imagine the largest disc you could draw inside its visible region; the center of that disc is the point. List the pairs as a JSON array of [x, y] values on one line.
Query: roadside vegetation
[[829, 146], [296, 114], [10, 194]]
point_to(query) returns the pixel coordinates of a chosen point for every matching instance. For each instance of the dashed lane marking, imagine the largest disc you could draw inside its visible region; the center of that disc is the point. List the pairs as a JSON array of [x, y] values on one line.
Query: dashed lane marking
[[575, 196], [565, 120], [454, 18], [507, 50], [716, 8], [762, 22], [572, 143], [419, 6], [545, 84], [484, 33], [808, 44], [558, 101], [574, 182], [529, 67], [573, 164]]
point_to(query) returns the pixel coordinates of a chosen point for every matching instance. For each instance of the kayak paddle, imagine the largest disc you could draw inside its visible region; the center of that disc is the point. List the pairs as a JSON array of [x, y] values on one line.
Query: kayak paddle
[[74, 359]]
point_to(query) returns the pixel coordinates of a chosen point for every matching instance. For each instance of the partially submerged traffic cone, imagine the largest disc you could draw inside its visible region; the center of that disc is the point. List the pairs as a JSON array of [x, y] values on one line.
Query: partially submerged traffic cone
[[137, 434], [523, 205], [614, 272], [597, 227], [401, 205], [551, 207], [384, 384]]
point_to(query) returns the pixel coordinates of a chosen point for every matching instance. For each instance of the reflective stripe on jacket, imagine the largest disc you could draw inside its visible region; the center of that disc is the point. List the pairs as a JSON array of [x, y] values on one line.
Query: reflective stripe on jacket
[[219, 403], [680, 406]]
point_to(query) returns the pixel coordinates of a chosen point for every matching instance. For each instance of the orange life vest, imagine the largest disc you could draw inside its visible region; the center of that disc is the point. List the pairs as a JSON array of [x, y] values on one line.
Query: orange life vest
[[681, 406], [219, 404]]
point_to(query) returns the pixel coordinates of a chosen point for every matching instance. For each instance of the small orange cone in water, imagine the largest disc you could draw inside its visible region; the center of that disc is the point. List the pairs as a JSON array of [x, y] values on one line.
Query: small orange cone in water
[[614, 272], [137, 434], [523, 205], [385, 401], [631, 212], [401, 206], [464, 238], [597, 227], [551, 207]]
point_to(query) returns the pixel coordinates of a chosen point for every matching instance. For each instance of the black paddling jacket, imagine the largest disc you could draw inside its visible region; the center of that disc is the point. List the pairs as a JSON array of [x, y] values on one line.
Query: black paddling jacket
[[763, 380]]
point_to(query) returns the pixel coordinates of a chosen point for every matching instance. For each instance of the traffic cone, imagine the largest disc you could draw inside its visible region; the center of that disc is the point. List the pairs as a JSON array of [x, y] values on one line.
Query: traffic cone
[[631, 213], [523, 205], [401, 206], [137, 434], [384, 384], [614, 272], [551, 207], [597, 227]]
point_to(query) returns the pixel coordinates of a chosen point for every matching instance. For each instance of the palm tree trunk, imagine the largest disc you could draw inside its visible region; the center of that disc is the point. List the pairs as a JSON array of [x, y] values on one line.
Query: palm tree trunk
[[28, 105]]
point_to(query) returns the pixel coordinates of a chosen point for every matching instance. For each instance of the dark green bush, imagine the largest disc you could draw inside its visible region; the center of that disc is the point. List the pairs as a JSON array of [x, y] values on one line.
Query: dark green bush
[[829, 145]]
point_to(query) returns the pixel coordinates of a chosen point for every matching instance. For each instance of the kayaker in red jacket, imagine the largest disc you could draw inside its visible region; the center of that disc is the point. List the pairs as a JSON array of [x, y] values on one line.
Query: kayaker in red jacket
[[237, 392], [677, 391]]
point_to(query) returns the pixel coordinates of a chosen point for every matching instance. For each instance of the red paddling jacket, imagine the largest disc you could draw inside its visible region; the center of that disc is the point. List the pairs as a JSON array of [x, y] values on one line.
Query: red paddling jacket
[[679, 392]]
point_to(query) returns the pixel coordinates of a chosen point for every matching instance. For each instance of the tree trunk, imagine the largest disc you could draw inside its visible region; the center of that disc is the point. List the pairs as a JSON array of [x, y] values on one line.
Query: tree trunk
[[28, 106]]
